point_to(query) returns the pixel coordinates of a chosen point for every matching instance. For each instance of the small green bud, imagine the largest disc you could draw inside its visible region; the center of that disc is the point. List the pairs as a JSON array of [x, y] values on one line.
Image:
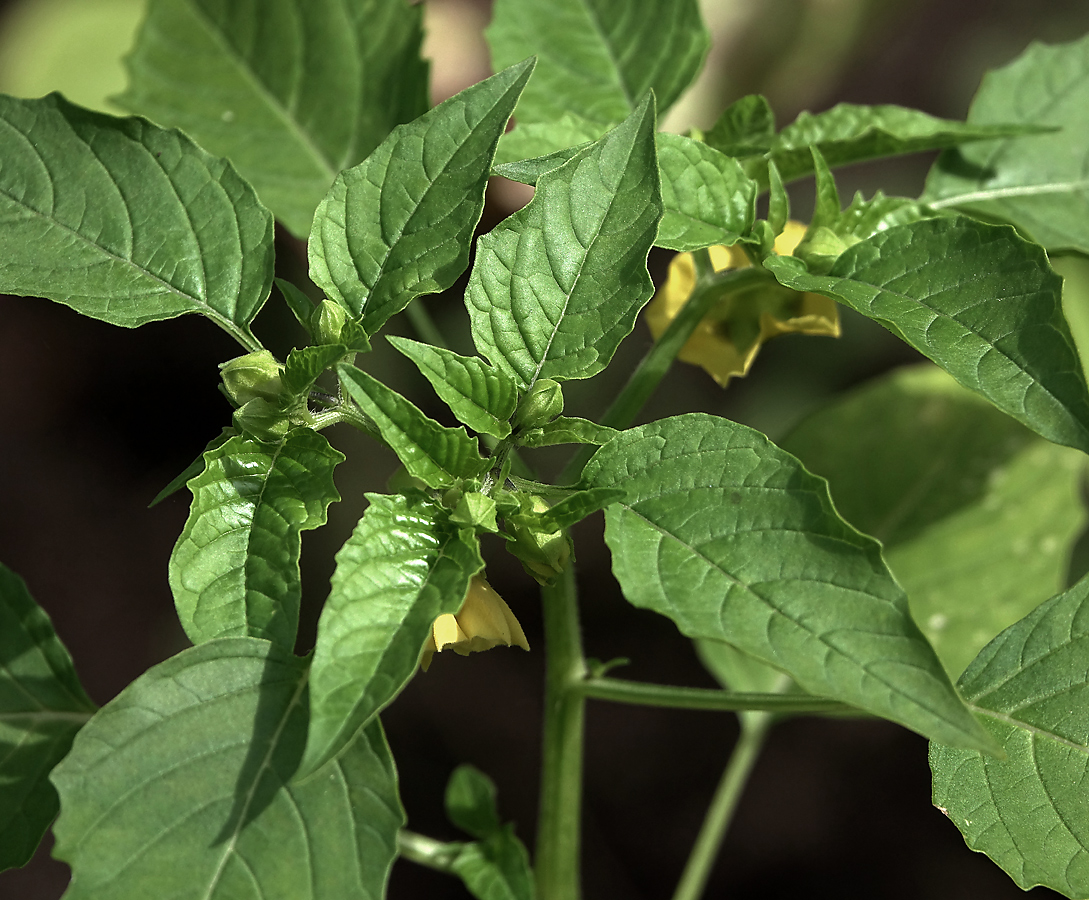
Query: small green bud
[[476, 511], [544, 554], [264, 420], [251, 377], [540, 405], [327, 322]]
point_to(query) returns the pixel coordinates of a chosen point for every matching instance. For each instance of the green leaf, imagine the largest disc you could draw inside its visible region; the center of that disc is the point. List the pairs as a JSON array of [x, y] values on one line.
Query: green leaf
[[737, 671], [496, 868], [745, 128], [597, 58], [42, 706], [301, 306], [235, 569], [291, 92], [1027, 812], [1039, 183], [470, 802], [848, 133], [436, 455], [193, 469], [707, 197], [305, 364], [778, 201], [567, 430], [402, 568], [576, 507], [529, 171], [179, 787], [481, 396], [126, 222], [400, 223], [558, 285], [976, 513], [732, 539], [980, 302], [530, 140]]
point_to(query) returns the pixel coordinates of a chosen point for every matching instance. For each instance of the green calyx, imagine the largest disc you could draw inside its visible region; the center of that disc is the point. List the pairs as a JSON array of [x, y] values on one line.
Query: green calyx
[[540, 405], [544, 554]]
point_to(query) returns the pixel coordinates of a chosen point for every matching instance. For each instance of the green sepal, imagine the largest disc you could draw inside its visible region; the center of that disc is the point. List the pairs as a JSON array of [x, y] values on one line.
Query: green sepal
[[437, 455], [544, 551], [476, 511]]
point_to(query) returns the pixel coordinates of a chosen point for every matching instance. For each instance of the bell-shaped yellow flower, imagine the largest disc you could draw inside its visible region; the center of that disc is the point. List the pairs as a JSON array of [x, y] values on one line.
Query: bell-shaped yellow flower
[[726, 342], [484, 621]]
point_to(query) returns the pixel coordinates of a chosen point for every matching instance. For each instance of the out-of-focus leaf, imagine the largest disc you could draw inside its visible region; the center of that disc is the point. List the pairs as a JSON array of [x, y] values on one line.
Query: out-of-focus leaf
[[291, 91]]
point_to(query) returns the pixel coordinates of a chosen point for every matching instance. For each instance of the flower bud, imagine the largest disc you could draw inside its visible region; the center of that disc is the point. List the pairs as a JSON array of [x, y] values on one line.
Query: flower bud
[[253, 376], [540, 405], [544, 554], [264, 420], [327, 322]]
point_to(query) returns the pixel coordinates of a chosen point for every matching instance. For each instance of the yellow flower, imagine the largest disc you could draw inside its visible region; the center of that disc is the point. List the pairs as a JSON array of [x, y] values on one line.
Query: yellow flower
[[726, 342], [484, 621]]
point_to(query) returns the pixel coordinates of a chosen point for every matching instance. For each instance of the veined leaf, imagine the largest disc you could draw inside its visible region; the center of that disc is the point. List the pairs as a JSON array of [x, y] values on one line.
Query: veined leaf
[[403, 566], [848, 133], [567, 430], [979, 301], [558, 285], [400, 223], [1039, 183], [746, 127], [436, 455], [1028, 811], [732, 539], [291, 91], [536, 139], [126, 222], [42, 706], [707, 197], [235, 569], [977, 514], [481, 396], [598, 58], [576, 507], [179, 787], [496, 868]]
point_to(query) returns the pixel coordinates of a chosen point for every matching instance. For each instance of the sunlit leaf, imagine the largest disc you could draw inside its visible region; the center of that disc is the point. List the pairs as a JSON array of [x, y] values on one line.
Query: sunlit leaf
[[235, 569], [403, 566], [1030, 688], [732, 539], [400, 223], [126, 222], [978, 300]]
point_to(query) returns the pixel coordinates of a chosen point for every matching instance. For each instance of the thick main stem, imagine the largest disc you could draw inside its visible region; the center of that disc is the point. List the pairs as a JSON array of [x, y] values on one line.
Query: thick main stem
[[558, 831]]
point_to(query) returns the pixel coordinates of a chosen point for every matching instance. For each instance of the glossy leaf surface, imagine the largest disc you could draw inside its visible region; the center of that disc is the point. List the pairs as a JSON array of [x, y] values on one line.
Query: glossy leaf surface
[[436, 455], [42, 706], [849, 133], [126, 222], [567, 430], [707, 197], [179, 787], [1038, 182], [557, 286], [481, 396], [403, 566], [1029, 687], [291, 91], [598, 58], [979, 301], [235, 569], [732, 539], [976, 513], [400, 223]]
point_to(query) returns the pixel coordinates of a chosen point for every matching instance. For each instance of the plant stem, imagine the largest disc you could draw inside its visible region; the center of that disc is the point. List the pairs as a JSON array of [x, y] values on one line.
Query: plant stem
[[754, 729], [620, 691], [557, 856], [426, 851], [710, 288]]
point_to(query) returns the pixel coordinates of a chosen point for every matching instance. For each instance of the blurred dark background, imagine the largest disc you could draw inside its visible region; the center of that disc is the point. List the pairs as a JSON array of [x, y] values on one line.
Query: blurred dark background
[[97, 419]]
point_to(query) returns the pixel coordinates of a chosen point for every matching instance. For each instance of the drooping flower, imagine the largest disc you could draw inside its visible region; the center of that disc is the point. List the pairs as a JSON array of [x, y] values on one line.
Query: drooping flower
[[484, 621], [726, 342]]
